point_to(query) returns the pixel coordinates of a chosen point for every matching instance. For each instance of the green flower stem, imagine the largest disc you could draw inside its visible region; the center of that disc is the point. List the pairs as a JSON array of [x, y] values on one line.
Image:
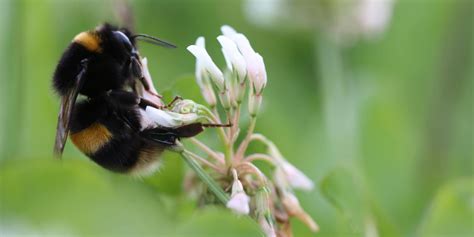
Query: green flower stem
[[215, 116], [243, 146], [260, 156], [211, 153], [205, 178]]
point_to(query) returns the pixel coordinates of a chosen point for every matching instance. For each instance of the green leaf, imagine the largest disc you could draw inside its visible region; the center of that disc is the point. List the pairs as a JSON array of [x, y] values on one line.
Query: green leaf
[[77, 198], [452, 211], [213, 221], [343, 188], [169, 178]]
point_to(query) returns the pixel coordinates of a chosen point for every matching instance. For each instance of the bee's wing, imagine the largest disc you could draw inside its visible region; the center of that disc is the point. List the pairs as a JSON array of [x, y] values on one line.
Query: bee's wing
[[64, 116]]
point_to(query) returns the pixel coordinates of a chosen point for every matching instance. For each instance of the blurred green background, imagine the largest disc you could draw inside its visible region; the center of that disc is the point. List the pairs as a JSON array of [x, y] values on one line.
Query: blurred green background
[[382, 123]]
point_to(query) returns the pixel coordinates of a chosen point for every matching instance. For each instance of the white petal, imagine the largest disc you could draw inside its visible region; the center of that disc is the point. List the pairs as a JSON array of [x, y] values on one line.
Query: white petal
[[201, 42], [228, 31], [203, 57], [170, 119], [239, 203], [260, 79], [160, 117], [296, 178], [235, 60], [243, 44]]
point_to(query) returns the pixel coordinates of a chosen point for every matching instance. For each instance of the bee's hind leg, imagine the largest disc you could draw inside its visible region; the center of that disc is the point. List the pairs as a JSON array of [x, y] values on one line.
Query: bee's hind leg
[[175, 99]]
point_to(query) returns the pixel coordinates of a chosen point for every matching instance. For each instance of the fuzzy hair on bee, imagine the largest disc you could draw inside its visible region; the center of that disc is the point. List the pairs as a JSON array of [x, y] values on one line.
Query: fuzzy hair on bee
[[95, 62], [110, 124]]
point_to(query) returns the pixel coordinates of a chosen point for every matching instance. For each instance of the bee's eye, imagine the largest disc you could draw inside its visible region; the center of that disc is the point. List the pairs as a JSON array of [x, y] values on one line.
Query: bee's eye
[[120, 36]]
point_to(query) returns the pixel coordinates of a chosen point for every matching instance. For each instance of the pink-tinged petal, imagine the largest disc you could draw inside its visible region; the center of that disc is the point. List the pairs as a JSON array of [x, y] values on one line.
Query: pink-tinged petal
[[234, 60], [209, 66], [296, 178]]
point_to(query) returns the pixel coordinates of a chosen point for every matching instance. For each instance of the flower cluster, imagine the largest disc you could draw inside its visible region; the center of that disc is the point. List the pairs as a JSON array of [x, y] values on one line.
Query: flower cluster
[[270, 200]]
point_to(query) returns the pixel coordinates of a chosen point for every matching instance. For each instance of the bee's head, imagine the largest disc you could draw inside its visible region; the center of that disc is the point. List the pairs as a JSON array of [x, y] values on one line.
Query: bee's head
[[121, 43], [132, 57]]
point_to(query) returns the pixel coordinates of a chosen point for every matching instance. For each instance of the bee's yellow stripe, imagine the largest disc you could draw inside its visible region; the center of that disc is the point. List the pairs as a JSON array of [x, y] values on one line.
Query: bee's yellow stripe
[[92, 138], [90, 40]]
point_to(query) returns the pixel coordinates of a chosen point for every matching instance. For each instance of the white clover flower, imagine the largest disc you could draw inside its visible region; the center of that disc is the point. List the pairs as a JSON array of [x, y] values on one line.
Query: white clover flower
[[239, 201], [234, 60], [292, 206], [171, 119], [256, 71], [207, 65], [296, 178], [202, 78], [292, 176], [254, 104]]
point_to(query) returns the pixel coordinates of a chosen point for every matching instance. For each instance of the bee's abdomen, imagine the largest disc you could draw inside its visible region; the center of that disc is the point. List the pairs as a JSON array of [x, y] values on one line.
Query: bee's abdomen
[[91, 139], [128, 155]]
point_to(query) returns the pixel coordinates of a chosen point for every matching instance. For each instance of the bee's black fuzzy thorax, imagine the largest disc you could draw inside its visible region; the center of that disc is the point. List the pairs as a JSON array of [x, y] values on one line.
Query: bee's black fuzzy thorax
[[108, 62]]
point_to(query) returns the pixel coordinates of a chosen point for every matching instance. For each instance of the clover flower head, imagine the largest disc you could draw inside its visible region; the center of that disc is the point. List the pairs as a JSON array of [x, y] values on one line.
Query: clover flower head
[[245, 184]]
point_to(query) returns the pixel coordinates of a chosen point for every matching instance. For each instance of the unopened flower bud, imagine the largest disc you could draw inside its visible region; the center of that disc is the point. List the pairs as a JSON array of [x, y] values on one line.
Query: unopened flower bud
[[257, 73], [293, 208], [234, 60], [226, 99], [255, 66], [202, 78], [208, 65], [254, 103], [239, 201]]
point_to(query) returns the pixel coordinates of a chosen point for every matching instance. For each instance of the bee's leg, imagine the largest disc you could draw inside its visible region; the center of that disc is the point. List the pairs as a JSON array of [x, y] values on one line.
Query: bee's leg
[[144, 103], [175, 99], [160, 135], [216, 125], [148, 86]]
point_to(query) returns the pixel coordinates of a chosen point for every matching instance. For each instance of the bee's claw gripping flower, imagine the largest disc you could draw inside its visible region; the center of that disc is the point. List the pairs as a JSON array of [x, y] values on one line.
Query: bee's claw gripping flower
[[205, 61], [239, 201]]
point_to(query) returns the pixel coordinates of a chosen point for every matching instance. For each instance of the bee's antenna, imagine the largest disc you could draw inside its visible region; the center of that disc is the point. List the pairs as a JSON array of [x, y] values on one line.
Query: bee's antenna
[[153, 40], [216, 125]]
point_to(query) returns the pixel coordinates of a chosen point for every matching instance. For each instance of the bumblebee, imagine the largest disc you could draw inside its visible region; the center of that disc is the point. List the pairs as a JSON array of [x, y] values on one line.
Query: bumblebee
[[111, 125], [96, 61]]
